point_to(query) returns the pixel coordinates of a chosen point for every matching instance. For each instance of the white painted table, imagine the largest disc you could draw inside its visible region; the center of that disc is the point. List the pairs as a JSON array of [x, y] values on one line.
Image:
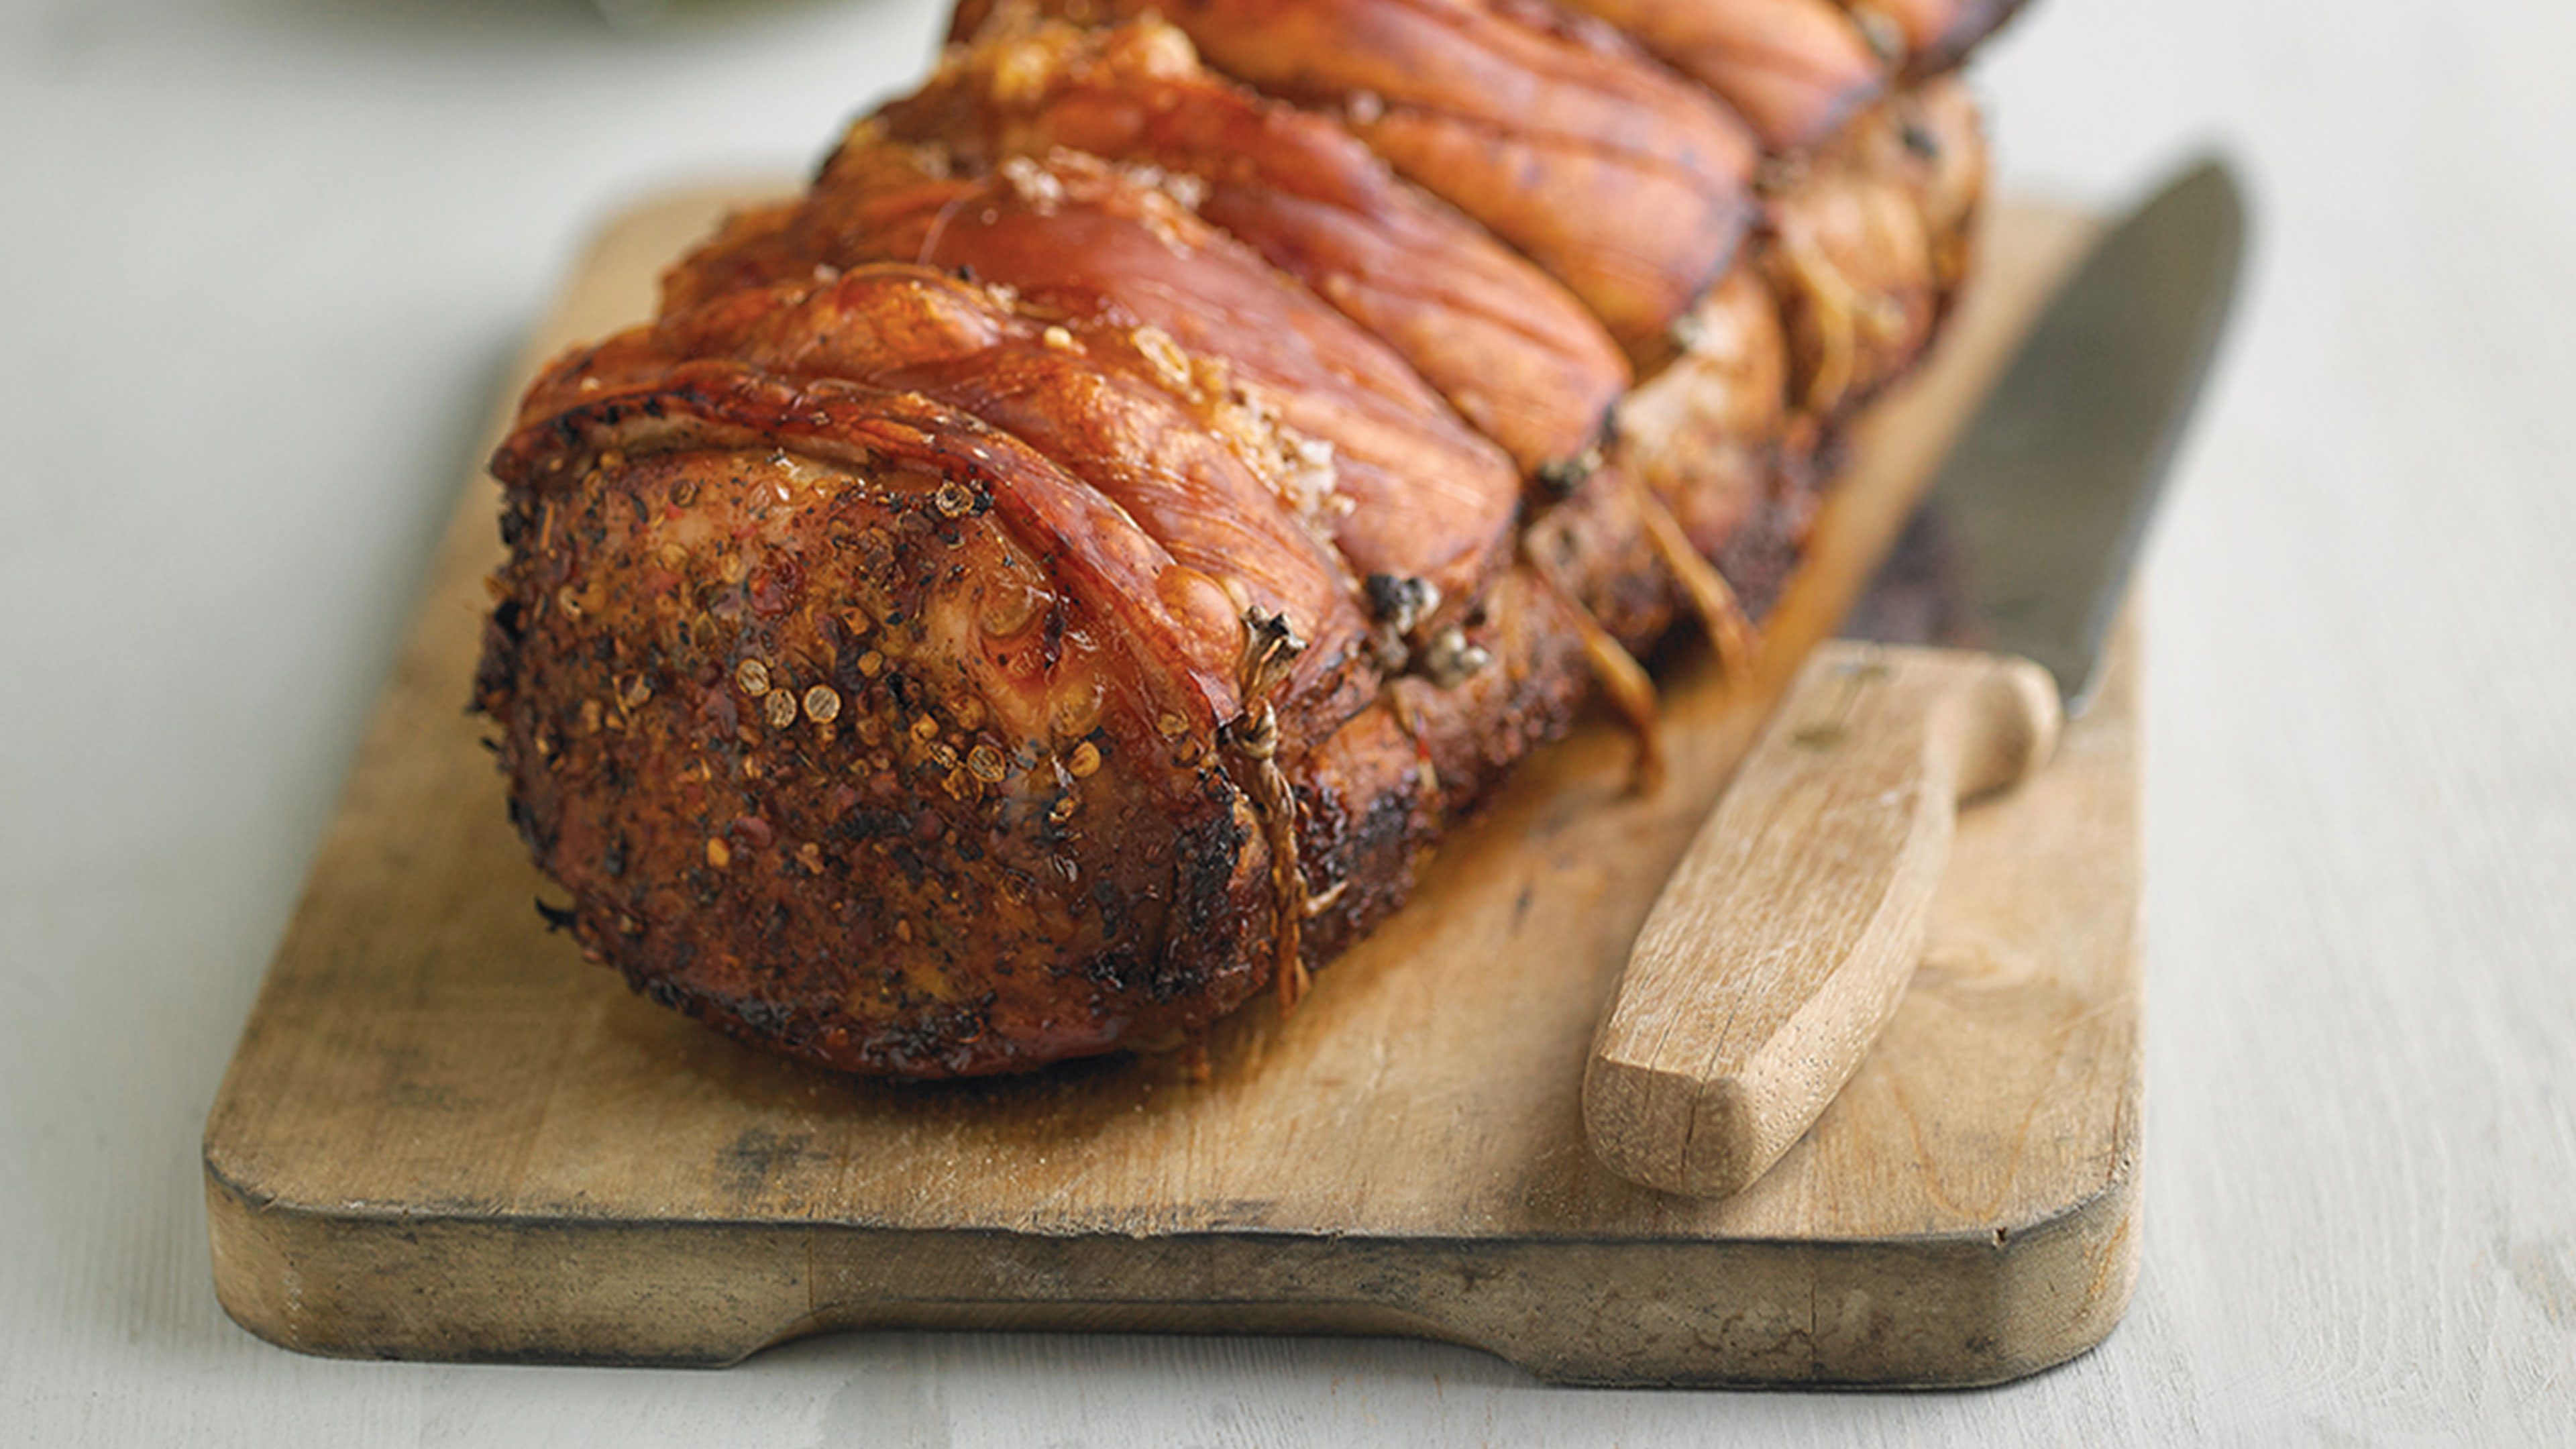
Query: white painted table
[[262, 261]]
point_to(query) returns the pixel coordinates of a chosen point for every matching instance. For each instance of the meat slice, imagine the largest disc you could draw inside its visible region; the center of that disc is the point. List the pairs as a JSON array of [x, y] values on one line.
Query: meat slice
[[1512, 351], [1618, 178]]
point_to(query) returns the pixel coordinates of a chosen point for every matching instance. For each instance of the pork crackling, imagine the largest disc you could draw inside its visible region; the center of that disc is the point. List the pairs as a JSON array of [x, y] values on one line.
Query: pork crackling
[[1054, 580]]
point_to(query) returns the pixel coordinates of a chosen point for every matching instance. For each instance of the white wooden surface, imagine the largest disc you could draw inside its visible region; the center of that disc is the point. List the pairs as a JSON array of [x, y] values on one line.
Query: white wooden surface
[[261, 259]]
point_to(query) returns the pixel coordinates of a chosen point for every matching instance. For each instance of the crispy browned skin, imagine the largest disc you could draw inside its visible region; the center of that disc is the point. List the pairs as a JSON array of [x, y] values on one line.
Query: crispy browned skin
[[983, 620], [1512, 351], [1620, 180], [1417, 493], [1795, 69], [1709, 434]]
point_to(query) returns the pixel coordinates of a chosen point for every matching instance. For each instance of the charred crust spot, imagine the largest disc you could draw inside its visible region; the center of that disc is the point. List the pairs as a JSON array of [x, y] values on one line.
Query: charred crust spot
[[1561, 478], [1112, 970], [1209, 866], [1051, 637], [768, 1018], [909, 861], [1172, 977], [1395, 599]]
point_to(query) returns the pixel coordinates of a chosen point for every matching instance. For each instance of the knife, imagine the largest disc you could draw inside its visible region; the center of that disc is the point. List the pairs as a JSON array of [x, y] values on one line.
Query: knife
[[1783, 941]]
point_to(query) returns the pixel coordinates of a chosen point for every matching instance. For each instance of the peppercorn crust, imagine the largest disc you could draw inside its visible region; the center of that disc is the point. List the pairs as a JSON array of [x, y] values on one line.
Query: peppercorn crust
[[883, 752]]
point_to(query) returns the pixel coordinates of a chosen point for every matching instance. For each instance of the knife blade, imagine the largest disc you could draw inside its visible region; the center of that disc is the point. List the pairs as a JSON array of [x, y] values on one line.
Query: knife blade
[[1783, 942]]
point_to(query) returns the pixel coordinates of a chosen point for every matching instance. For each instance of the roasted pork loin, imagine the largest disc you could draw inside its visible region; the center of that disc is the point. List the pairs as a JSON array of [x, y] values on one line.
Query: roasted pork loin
[[1057, 578]]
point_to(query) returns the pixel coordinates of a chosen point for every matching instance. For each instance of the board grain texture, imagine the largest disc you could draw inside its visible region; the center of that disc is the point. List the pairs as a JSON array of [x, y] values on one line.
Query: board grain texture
[[444, 1136]]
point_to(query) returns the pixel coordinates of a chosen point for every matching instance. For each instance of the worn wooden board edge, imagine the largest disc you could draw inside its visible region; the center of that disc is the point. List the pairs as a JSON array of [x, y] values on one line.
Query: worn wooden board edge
[[1957, 1313], [320, 1277]]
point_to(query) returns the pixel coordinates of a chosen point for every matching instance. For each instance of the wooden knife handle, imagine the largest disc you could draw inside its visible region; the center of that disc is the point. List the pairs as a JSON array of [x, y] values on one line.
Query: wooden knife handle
[[1778, 949]]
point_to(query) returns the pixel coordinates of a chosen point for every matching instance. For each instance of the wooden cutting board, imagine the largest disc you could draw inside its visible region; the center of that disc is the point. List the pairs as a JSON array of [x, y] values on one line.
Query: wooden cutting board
[[446, 1136]]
